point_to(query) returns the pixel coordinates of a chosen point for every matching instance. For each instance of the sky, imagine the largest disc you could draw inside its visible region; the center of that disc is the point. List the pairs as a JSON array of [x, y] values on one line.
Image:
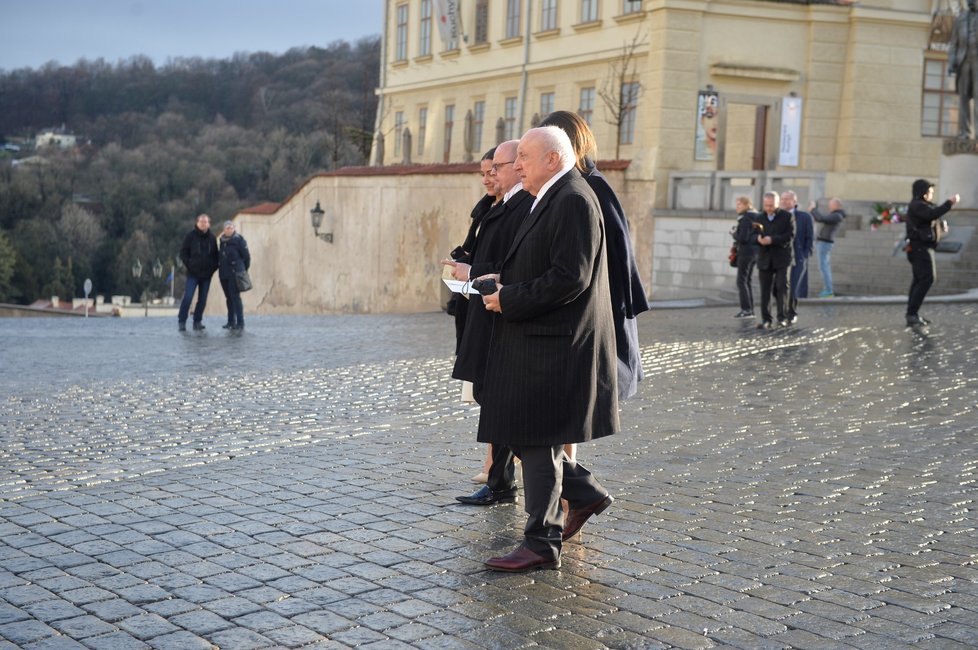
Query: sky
[[35, 32]]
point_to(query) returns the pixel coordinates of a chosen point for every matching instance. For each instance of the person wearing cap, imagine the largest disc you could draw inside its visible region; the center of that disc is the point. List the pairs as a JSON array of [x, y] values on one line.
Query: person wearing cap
[[924, 228], [233, 259]]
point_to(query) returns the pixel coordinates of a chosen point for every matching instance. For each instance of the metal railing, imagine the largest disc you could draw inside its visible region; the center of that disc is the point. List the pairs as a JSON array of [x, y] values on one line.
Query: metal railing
[[717, 190]]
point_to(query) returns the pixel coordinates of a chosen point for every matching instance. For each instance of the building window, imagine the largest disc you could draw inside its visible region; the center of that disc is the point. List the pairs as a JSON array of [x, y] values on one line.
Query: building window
[[939, 111], [400, 51], [632, 6], [629, 103], [424, 45], [586, 106], [478, 118], [589, 11], [422, 128], [548, 15], [482, 21], [509, 118], [398, 132], [449, 126], [513, 8], [546, 104]]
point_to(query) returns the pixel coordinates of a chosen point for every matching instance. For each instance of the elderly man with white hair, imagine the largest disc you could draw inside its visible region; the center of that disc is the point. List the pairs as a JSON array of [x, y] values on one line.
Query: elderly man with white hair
[[551, 373]]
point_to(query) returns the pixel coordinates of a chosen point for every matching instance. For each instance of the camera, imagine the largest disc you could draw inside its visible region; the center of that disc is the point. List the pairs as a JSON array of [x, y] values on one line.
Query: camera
[[457, 253], [485, 287], [758, 226]]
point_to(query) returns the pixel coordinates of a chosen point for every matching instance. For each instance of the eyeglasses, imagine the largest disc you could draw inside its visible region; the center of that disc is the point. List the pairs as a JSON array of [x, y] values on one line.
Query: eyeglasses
[[496, 166]]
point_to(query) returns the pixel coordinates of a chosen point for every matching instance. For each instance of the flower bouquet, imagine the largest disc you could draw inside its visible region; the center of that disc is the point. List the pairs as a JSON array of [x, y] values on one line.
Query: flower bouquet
[[887, 213]]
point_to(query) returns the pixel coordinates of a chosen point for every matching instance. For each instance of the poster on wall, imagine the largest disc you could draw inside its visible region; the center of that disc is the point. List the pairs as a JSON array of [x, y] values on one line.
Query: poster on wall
[[707, 122], [790, 132]]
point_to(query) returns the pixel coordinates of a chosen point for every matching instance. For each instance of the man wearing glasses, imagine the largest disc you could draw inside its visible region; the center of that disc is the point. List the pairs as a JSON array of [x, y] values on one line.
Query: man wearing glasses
[[492, 242]]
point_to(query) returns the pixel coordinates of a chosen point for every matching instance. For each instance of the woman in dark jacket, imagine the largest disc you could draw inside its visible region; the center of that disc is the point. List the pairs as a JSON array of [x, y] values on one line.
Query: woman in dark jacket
[[234, 257], [628, 298], [745, 238], [923, 227], [458, 305]]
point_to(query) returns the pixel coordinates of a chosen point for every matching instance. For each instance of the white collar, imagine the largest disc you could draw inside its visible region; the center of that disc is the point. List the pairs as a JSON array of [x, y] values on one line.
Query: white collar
[[513, 190], [550, 183]]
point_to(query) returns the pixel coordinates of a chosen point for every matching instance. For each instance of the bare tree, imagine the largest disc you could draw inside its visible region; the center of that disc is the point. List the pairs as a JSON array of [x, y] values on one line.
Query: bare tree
[[620, 92]]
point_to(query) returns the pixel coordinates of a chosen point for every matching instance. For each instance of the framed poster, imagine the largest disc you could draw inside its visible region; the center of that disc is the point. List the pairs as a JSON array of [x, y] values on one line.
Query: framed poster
[[707, 124]]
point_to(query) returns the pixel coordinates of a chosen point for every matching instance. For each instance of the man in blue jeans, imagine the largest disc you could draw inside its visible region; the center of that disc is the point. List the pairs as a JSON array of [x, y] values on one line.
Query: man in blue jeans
[[199, 256], [826, 239]]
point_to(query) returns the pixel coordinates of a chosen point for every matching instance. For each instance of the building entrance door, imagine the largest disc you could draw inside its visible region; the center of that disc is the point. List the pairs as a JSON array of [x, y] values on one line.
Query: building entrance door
[[745, 134]]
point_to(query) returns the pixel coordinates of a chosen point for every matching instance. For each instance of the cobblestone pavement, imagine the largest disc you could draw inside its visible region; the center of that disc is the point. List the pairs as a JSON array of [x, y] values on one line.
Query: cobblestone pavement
[[812, 487]]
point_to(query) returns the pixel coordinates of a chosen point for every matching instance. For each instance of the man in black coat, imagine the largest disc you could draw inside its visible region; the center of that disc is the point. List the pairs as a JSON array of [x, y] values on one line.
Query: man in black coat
[[776, 241], [488, 248], [551, 372], [804, 245], [200, 257], [923, 232]]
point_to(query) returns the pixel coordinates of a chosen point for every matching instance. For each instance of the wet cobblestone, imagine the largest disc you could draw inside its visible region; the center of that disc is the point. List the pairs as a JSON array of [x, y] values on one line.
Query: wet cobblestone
[[807, 487]]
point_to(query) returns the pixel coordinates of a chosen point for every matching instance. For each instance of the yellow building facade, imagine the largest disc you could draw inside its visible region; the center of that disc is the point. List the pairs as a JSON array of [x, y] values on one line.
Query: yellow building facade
[[692, 102], [855, 70]]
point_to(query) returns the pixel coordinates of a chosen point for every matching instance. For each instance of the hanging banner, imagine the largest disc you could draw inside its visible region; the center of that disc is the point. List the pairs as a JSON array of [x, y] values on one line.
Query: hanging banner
[[790, 132], [707, 124], [449, 24]]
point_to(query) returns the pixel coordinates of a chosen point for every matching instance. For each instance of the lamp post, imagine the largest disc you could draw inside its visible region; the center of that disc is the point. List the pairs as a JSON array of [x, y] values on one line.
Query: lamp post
[[317, 214], [137, 273]]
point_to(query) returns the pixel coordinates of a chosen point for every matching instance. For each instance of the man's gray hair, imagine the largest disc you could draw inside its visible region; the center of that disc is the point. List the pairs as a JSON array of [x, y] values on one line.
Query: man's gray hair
[[555, 139], [773, 195]]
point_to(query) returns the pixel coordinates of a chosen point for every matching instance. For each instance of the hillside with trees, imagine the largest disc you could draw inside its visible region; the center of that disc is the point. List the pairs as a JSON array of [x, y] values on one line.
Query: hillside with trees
[[158, 145]]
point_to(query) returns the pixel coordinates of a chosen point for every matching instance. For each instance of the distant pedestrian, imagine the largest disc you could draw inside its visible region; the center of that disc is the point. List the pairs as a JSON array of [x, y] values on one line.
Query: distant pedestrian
[[776, 231], [199, 256], [803, 248], [234, 259], [830, 224], [924, 229], [745, 239]]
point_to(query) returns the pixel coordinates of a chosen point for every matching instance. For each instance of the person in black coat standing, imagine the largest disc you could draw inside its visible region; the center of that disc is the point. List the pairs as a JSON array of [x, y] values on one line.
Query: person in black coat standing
[[745, 239], [488, 250], [551, 374], [234, 258], [804, 245], [199, 256], [923, 232], [776, 240], [628, 298], [458, 305]]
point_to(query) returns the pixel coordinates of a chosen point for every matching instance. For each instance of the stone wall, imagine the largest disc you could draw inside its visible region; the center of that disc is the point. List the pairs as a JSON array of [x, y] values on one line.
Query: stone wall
[[390, 226]]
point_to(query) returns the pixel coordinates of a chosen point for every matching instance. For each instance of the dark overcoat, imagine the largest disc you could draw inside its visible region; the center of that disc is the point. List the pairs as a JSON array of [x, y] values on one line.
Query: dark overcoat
[[551, 372], [780, 253], [495, 236], [628, 298]]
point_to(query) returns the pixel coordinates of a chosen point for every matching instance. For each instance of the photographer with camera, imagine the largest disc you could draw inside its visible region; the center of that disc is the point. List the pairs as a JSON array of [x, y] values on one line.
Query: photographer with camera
[[776, 235], [924, 230]]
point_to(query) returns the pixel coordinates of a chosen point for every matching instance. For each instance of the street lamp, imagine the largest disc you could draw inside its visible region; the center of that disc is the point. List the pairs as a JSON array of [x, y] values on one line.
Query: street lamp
[[137, 273], [317, 214]]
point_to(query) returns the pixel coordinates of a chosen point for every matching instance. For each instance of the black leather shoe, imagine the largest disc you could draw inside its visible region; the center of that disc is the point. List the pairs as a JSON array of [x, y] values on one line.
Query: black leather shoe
[[486, 497], [181, 327], [914, 320], [764, 325], [199, 326], [227, 326], [784, 322]]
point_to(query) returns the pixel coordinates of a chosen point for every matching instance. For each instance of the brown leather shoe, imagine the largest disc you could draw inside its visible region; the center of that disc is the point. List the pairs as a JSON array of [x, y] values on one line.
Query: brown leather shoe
[[520, 560], [577, 517]]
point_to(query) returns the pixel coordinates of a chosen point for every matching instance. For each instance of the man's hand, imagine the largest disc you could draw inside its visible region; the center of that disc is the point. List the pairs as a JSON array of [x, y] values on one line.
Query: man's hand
[[954, 199], [492, 300], [812, 206], [764, 241], [460, 270]]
